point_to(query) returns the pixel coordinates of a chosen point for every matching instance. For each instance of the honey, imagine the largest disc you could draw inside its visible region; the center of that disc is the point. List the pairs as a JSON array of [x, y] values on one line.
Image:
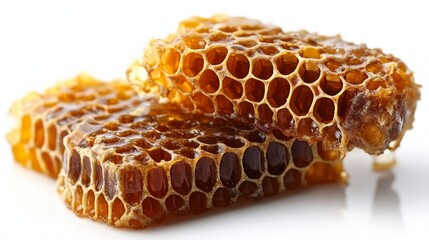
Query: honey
[[299, 82]]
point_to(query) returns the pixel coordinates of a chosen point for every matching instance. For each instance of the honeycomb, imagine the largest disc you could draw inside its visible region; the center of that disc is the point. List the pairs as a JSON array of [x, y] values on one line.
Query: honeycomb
[[132, 171], [45, 119], [311, 87]]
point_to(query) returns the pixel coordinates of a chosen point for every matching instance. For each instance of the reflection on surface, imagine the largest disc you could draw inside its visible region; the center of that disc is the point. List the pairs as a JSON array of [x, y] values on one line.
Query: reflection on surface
[[386, 206]]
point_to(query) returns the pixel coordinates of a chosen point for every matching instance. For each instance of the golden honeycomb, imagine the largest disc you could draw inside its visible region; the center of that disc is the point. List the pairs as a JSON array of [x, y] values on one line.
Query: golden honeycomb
[[45, 119], [311, 87], [132, 171]]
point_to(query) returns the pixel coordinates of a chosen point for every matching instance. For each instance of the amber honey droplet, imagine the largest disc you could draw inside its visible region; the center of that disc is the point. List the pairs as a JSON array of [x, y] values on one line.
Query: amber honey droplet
[[253, 159], [133, 186], [222, 197], [238, 65], [277, 158], [301, 153], [270, 186], [174, 203], [205, 174], [292, 179], [181, 177], [157, 182], [197, 202], [151, 207], [230, 169]]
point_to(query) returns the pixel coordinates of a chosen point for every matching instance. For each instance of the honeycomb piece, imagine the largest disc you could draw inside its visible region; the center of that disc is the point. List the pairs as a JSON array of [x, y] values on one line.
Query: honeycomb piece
[[45, 119], [311, 87], [132, 171]]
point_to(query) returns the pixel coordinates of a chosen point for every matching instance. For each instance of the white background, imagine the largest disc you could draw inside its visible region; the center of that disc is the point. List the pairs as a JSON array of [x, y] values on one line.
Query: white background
[[42, 42]]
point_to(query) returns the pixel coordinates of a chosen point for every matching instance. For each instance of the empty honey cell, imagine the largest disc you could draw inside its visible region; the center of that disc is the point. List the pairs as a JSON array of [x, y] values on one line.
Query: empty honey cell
[[247, 64], [213, 162], [45, 119]]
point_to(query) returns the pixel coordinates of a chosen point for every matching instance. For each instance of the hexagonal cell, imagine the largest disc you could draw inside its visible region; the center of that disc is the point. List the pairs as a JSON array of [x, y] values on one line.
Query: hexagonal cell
[[254, 89], [174, 203], [232, 88], [110, 184], [374, 84], [203, 102], [194, 42], [253, 162], [287, 63], [230, 169], [278, 92], [222, 197], [277, 158], [192, 64], [209, 81], [181, 177], [309, 72], [197, 202], [268, 50], [151, 207], [255, 136], [238, 65], [331, 84], [310, 52], [247, 188], [170, 61], [285, 119], [328, 155], [157, 182], [307, 128], [216, 55], [292, 179], [246, 43], [205, 174], [355, 77], [246, 109], [324, 110], [262, 68], [133, 185], [183, 84], [333, 137], [345, 101], [224, 106], [334, 65], [301, 100], [228, 29], [270, 186], [302, 154], [75, 166], [265, 114], [159, 154], [374, 67], [39, 133], [118, 210]]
